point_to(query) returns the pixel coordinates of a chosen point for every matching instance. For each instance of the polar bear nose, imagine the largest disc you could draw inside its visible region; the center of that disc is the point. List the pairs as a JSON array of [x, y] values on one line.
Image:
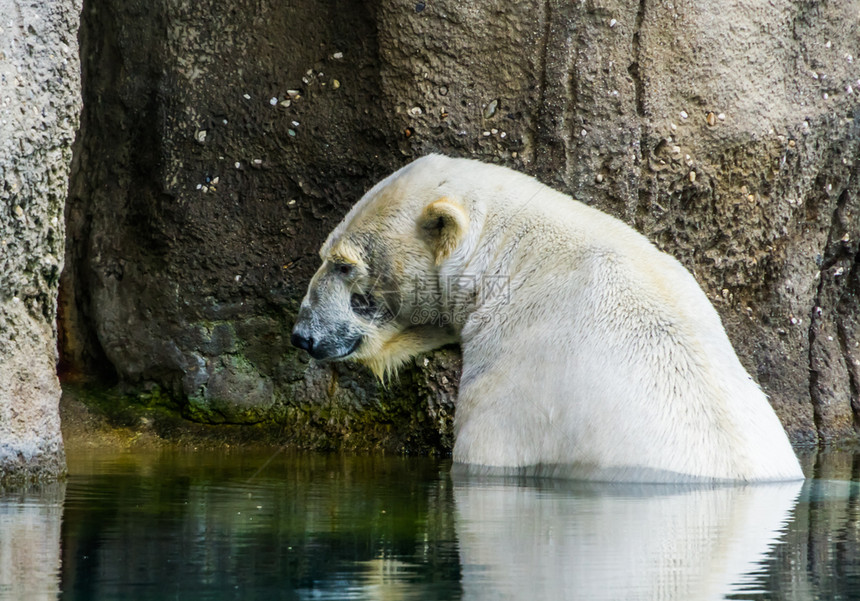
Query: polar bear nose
[[305, 343]]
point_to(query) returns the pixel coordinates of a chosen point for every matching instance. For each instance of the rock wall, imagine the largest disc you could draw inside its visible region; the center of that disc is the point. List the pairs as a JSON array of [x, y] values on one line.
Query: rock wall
[[39, 105], [221, 141]]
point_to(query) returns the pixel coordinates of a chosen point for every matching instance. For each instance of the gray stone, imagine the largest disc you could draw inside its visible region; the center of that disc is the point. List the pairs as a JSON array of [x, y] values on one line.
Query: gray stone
[[39, 105], [726, 131]]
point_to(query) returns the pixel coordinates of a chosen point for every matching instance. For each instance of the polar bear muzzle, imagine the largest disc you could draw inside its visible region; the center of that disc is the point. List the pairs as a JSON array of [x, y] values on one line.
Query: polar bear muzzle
[[325, 343], [327, 326], [350, 299]]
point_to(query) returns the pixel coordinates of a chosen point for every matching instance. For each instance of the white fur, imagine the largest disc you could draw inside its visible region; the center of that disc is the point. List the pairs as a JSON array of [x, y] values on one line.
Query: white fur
[[604, 361]]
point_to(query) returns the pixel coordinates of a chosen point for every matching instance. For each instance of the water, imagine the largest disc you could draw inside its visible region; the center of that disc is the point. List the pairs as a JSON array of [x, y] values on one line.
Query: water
[[250, 525]]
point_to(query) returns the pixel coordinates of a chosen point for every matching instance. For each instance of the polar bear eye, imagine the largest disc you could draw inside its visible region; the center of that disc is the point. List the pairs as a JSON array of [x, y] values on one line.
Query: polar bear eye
[[343, 268]]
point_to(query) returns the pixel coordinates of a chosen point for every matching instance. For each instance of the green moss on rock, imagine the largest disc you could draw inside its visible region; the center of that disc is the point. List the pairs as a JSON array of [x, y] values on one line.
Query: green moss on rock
[[412, 414]]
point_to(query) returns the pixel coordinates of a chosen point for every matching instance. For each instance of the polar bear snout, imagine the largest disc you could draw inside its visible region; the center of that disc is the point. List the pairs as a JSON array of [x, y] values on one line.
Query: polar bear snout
[[325, 329], [302, 340], [338, 343]]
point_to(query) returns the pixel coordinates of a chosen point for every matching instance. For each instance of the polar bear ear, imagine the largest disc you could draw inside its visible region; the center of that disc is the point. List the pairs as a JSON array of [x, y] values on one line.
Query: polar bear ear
[[444, 224]]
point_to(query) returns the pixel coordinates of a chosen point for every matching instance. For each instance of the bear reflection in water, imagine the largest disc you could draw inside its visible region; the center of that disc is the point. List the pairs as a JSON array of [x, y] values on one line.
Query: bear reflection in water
[[583, 345], [616, 541]]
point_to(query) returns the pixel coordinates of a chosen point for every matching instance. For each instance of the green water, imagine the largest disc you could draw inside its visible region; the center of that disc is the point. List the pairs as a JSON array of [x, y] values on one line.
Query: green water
[[253, 525]]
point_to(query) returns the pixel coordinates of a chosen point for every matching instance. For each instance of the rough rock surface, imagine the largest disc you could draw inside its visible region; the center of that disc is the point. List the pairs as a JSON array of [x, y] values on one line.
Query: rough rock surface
[[39, 104], [222, 141]]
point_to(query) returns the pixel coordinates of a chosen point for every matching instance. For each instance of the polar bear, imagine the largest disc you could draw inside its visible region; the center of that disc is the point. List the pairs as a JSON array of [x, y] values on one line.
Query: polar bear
[[587, 352]]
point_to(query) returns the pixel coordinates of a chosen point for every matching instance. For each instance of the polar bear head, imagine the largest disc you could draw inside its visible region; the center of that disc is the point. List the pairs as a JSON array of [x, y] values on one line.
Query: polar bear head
[[379, 285]]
